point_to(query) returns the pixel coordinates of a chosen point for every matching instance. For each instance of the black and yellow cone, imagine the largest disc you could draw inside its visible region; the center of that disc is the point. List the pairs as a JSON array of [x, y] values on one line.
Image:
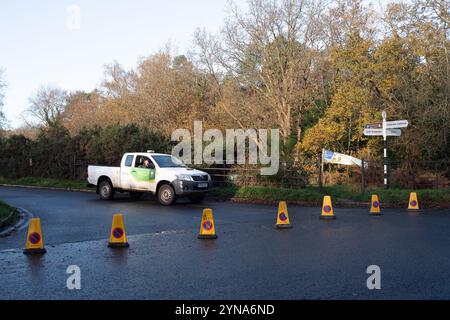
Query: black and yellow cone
[[327, 209], [207, 227], [118, 237], [35, 241], [283, 221], [413, 203], [375, 207]]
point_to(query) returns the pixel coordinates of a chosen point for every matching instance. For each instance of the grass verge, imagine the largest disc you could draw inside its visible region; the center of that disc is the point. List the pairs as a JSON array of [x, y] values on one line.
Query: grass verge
[[342, 193], [47, 182], [5, 210], [268, 193], [427, 197]]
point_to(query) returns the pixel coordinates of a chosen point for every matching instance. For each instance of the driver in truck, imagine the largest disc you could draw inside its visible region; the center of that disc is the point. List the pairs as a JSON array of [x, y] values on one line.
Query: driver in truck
[[146, 164]]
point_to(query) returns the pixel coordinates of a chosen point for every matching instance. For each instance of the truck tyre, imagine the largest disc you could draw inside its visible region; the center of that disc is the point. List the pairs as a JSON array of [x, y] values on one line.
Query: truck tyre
[[197, 198], [166, 195], [106, 190], [136, 195]]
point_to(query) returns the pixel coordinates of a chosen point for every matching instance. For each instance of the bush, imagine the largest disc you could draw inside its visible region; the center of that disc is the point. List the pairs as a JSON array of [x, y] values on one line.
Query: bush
[[56, 154]]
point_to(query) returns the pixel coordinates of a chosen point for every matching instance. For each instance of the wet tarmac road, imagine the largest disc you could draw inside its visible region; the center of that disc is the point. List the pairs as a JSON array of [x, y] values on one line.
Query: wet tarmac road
[[250, 259]]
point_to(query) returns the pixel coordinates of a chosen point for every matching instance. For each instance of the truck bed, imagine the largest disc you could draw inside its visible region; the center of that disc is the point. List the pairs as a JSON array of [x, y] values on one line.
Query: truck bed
[[95, 172]]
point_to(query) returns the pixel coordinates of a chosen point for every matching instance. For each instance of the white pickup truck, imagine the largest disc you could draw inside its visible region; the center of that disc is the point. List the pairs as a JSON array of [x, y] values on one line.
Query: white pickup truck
[[160, 174]]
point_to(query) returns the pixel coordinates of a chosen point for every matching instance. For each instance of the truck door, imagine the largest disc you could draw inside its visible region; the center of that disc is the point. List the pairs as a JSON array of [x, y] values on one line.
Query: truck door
[[125, 172], [143, 174]]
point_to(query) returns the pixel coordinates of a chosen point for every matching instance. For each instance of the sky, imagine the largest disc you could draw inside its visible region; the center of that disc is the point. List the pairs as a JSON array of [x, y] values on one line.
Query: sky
[[67, 43], [41, 44]]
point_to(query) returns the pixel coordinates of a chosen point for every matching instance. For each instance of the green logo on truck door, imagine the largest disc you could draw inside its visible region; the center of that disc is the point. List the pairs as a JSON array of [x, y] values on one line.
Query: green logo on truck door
[[142, 174]]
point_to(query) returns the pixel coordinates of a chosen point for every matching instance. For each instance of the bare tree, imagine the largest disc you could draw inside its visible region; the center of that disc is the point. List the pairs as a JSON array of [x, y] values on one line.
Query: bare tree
[[269, 49], [3, 121], [85, 110], [163, 88], [118, 82], [345, 18], [47, 107]]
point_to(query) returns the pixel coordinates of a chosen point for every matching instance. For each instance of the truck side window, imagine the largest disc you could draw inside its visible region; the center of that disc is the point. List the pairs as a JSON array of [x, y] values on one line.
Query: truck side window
[[144, 162], [129, 161]]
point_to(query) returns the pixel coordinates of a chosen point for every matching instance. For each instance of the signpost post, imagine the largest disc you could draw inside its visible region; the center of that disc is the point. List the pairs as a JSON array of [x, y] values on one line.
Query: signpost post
[[385, 129], [386, 185]]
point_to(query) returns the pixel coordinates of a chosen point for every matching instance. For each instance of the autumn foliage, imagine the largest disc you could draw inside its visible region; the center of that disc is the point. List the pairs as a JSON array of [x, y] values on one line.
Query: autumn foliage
[[317, 71]]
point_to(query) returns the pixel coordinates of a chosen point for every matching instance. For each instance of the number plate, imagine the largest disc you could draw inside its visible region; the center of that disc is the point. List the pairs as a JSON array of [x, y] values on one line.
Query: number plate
[[202, 185]]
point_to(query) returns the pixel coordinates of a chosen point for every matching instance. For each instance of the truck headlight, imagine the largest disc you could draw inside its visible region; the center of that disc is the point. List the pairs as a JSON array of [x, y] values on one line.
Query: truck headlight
[[184, 177]]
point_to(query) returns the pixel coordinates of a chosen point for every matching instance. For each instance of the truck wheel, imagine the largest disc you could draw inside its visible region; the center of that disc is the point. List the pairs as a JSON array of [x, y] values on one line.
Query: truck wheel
[[106, 190], [166, 195], [136, 195], [197, 198]]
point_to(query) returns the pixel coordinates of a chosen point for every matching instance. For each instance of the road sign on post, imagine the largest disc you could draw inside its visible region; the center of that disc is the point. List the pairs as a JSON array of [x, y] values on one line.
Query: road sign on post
[[397, 124], [379, 132], [385, 129], [377, 125]]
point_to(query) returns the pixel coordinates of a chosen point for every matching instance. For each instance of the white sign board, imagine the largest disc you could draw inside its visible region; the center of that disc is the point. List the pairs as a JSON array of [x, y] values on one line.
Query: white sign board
[[397, 124], [379, 132], [377, 125]]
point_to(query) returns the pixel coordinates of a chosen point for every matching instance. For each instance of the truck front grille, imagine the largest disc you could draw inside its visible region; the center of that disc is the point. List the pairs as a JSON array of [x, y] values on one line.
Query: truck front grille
[[200, 178]]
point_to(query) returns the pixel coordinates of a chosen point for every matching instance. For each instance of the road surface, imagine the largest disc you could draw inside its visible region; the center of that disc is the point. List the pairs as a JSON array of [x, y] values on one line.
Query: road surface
[[250, 260]]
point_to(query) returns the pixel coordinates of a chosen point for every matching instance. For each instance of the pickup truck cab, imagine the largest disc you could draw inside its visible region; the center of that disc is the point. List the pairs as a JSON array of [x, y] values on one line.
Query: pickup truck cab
[[160, 174]]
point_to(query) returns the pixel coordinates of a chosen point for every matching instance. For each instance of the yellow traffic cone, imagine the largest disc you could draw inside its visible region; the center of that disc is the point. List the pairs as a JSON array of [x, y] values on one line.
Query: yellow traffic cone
[[118, 237], [327, 209], [413, 202], [35, 241], [283, 216], [375, 207], [207, 227]]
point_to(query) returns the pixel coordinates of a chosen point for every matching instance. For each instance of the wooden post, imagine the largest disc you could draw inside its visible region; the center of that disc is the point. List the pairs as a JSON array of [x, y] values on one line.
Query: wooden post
[[363, 182], [30, 162], [385, 158], [319, 166]]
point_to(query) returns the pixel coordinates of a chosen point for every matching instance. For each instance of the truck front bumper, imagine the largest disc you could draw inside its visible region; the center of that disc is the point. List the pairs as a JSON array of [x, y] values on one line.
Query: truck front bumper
[[186, 188]]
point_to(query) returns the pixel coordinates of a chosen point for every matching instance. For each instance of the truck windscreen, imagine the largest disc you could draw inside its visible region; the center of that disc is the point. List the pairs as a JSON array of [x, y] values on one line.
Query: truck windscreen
[[168, 162]]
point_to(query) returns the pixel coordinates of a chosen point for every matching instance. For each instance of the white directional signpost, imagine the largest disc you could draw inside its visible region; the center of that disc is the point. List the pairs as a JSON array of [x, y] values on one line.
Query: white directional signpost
[[396, 124], [379, 132], [385, 129]]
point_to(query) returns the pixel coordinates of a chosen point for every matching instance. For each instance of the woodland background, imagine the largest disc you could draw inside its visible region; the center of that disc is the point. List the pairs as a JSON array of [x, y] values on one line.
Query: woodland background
[[317, 70]]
